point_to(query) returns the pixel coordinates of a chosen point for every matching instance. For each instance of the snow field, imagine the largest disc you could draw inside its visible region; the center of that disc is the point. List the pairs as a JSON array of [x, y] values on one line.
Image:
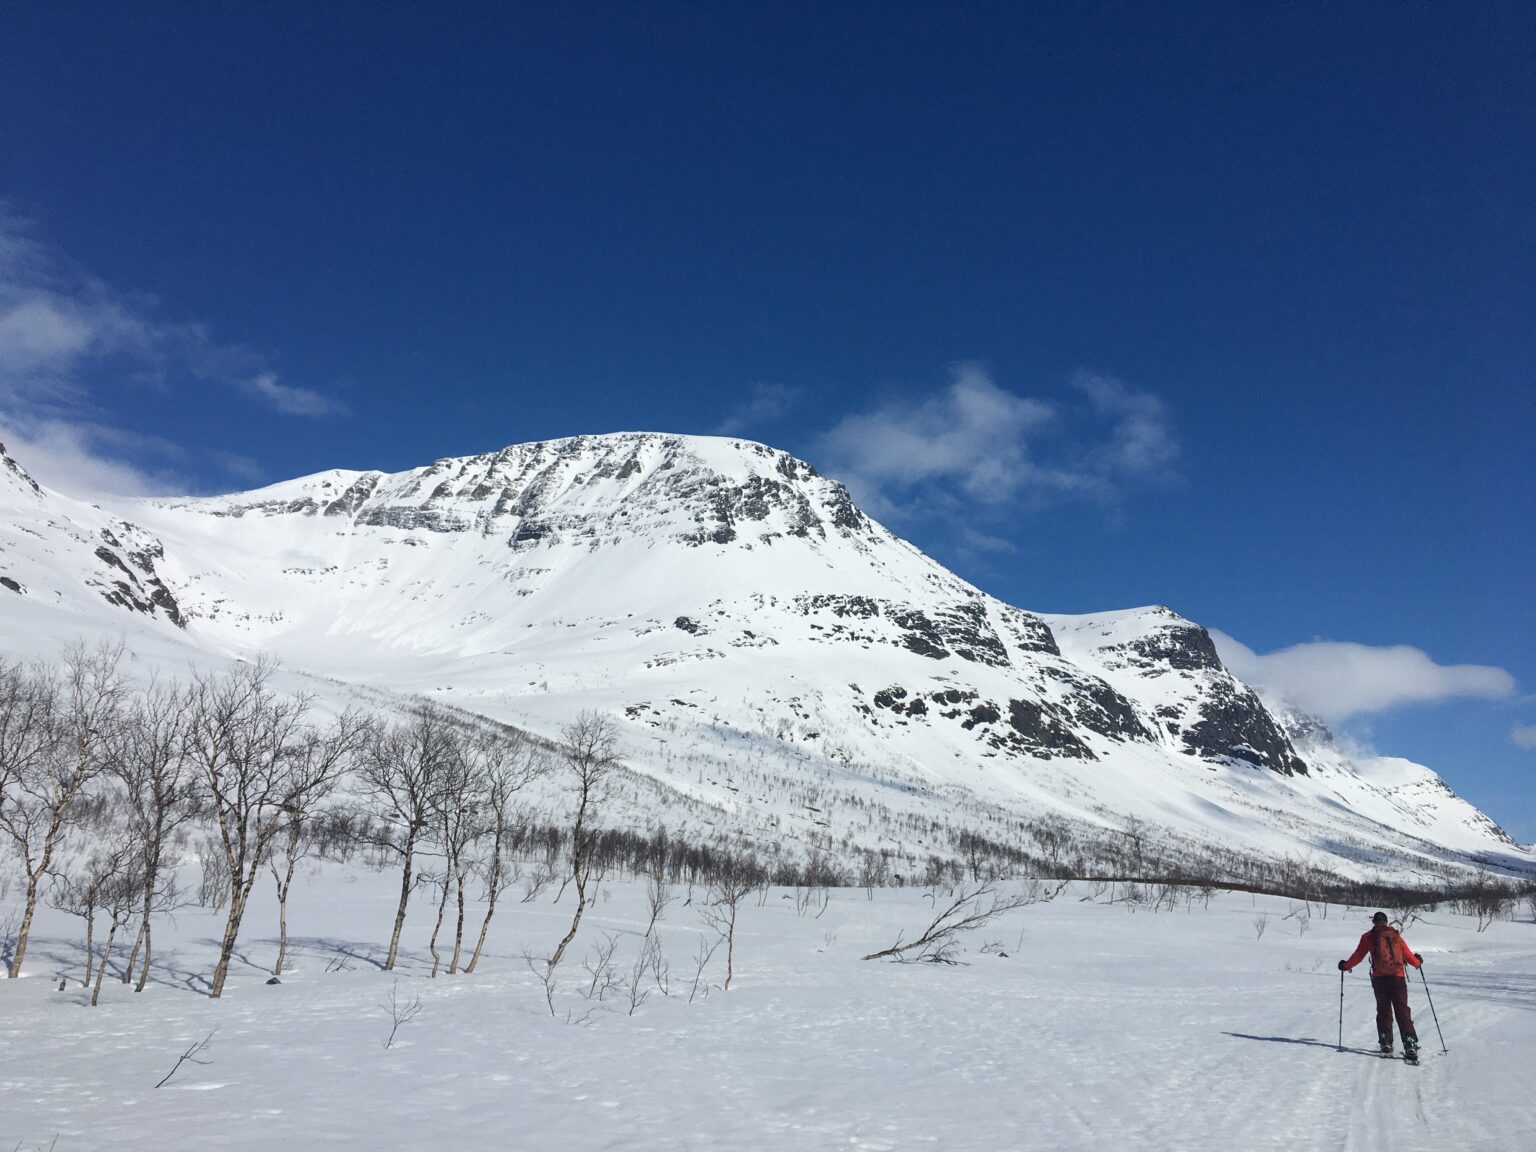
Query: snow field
[[1170, 1030]]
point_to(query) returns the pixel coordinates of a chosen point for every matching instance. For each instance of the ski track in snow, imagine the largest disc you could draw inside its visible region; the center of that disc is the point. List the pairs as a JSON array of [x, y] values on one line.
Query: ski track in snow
[[1173, 1030]]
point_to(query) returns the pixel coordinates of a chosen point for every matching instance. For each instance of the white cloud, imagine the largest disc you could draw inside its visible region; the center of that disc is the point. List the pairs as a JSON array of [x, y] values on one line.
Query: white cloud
[[1142, 442], [1335, 680], [85, 460], [61, 328], [288, 400], [37, 335], [241, 467], [765, 405], [980, 443], [1524, 736]]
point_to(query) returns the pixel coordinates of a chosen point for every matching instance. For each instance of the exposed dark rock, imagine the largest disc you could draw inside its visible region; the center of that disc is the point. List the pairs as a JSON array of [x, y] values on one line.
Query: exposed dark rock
[[1038, 730], [845, 514], [967, 630], [986, 713], [859, 607], [1094, 705], [10, 467], [1235, 725], [690, 625], [529, 533], [1027, 631], [415, 519], [112, 560], [13, 585], [1185, 646], [139, 596], [921, 634], [350, 502]]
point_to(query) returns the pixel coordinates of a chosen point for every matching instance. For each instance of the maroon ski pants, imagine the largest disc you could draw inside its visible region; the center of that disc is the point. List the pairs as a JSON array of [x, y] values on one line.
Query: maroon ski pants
[[1392, 1000]]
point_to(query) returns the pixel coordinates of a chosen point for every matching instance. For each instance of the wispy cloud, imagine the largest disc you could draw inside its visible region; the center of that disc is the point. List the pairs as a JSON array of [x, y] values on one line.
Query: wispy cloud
[[1336, 680], [289, 400], [61, 329], [977, 442], [763, 407], [1524, 736], [1141, 442], [242, 468], [83, 459]]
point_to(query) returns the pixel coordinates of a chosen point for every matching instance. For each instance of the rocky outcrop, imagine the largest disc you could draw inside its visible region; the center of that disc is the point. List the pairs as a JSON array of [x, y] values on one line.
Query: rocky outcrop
[[1234, 724], [14, 473], [131, 580]]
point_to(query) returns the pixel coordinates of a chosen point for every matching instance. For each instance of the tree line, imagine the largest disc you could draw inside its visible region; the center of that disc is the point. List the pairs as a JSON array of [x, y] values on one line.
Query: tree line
[[106, 788], [102, 788]]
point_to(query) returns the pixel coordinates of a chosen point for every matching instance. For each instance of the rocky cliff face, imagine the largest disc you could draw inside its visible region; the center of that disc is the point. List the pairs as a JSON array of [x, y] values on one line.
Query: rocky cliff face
[[1171, 664], [49, 544], [589, 489]]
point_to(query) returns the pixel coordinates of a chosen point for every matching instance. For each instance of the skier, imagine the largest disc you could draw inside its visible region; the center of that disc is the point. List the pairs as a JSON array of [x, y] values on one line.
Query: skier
[[1389, 952]]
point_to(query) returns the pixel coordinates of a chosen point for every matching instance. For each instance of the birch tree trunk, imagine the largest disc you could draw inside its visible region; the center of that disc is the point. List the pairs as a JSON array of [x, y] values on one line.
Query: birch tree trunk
[[133, 956], [442, 906], [405, 896], [101, 969], [238, 895], [90, 954], [284, 884], [458, 932], [144, 971]]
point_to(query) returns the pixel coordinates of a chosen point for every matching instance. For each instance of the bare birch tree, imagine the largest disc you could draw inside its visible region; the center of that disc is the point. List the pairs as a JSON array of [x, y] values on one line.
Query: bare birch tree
[[53, 726], [454, 814], [259, 760], [149, 756], [590, 754], [966, 911], [723, 905], [294, 841], [505, 764], [402, 774], [120, 897], [76, 890]]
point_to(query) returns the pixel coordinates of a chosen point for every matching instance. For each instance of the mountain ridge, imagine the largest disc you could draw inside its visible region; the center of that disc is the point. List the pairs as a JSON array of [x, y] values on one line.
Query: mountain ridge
[[725, 601]]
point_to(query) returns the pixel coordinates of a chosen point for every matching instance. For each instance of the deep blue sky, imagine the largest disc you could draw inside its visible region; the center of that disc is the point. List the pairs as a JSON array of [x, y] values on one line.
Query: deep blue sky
[[1301, 237]]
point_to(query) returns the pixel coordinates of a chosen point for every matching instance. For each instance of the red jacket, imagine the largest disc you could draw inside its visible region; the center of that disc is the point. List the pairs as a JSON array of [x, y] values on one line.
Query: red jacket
[[1388, 951]]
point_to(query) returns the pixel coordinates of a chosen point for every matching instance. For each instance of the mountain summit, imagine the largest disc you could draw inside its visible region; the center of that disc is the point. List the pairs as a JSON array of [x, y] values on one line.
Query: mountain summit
[[783, 666]]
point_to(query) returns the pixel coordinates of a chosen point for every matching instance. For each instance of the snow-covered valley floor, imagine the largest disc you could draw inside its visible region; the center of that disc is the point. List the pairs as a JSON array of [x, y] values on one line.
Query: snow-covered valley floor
[[1102, 1026]]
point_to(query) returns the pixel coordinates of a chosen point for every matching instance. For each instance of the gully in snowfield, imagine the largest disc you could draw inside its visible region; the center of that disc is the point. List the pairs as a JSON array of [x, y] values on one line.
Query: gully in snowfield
[[1389, 952]]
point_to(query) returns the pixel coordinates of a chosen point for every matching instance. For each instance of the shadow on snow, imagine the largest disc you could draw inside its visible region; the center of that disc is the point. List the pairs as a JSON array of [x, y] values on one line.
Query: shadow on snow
[[1307, 1041]]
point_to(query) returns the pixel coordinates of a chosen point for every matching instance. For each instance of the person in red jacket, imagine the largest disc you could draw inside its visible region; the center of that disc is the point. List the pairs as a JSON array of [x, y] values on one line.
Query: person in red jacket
[[1389, 952]]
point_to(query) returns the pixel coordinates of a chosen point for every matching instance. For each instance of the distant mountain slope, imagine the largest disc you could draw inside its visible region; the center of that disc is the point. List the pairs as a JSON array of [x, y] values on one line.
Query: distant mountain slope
[[784, 667]]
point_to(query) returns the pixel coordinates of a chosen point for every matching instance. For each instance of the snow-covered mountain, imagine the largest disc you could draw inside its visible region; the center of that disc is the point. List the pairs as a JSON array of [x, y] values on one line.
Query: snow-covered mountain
[[784, 668]]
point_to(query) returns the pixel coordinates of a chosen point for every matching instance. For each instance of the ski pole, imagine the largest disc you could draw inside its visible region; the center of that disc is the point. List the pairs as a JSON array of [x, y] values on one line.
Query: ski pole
[[1341, 1010], [1432, 1011]]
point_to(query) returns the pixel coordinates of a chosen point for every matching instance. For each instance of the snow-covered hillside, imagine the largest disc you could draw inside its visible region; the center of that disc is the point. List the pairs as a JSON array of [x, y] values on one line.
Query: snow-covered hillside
[[1076, 1024], [784, 667]]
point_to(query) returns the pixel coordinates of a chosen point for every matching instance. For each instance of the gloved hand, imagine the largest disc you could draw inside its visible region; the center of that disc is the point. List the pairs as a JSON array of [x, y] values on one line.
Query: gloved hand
[[1343, 967], [1419, 958]]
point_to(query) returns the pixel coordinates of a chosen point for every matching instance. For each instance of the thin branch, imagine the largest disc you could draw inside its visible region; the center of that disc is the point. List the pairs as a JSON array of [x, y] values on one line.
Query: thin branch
[[190, 1056]]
